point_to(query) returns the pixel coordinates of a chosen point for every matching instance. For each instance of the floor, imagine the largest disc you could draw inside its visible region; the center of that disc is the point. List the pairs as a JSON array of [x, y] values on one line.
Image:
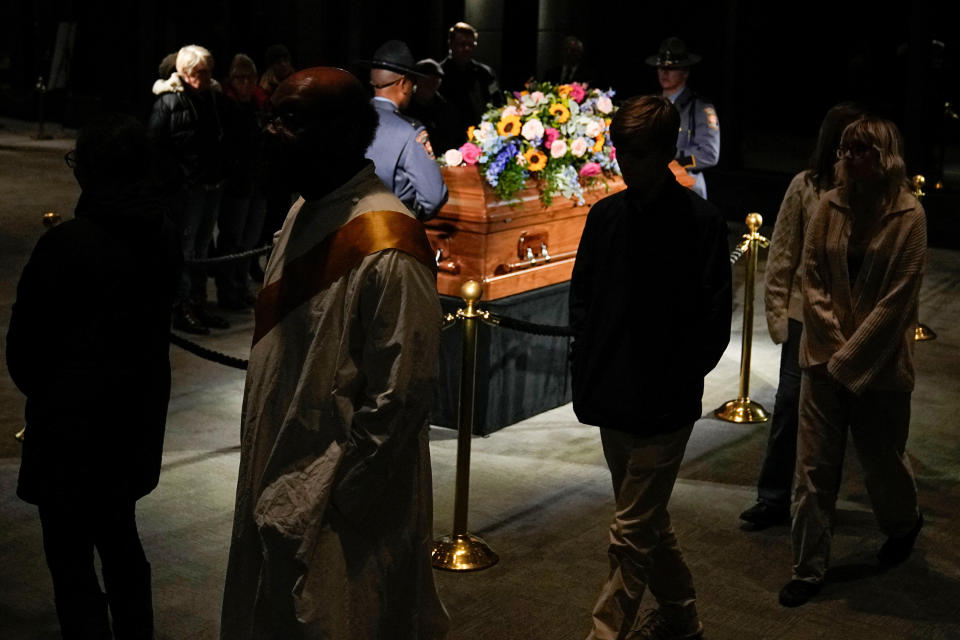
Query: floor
[[540, 492]]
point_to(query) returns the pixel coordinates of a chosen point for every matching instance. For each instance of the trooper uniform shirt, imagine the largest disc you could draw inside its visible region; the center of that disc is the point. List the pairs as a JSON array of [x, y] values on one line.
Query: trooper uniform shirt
[[404, 161], [698, 146]]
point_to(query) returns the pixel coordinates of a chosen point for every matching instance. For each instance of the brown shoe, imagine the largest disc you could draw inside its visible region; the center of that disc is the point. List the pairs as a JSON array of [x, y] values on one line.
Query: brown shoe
[[655, 626]]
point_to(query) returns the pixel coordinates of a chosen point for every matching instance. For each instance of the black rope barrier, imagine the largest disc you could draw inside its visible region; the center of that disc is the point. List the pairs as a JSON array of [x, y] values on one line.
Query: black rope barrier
[[207, 354], [526, 327], [230, 258], [740, 251]]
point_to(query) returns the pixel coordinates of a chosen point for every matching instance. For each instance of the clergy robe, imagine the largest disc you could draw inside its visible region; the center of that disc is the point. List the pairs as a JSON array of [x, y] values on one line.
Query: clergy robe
[[333, 522]]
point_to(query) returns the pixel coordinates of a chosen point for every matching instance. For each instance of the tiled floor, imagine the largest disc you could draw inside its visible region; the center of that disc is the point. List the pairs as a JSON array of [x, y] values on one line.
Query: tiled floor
[[540, 495]]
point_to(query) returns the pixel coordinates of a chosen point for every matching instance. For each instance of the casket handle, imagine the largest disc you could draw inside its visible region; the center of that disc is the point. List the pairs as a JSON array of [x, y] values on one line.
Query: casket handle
[[446, 266], [534, 261]]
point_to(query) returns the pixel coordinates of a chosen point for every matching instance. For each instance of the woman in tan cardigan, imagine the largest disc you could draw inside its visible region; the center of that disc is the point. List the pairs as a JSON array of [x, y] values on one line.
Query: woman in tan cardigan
[[863, 262]]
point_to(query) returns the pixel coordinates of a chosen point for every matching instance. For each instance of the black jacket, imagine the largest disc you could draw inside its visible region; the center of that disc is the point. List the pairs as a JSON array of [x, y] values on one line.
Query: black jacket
[[650, 303], [188, 129], [88, 345]]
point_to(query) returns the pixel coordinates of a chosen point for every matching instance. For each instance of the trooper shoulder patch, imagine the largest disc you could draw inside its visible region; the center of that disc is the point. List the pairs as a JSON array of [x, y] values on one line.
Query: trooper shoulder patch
[[423, 139], [712, 120]]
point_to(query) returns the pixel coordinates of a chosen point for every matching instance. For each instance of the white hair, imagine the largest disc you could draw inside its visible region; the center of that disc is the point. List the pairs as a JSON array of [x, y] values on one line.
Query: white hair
[[190, 56]]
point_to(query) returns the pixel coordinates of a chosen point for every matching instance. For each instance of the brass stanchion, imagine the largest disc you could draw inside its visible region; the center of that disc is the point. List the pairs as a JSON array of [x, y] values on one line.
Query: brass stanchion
[[50, 219], [743, 409], [461, 551], [922, 332]]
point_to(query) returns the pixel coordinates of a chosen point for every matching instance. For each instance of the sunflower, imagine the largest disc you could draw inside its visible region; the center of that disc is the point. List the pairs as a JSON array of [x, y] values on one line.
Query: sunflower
[[598, 145], [536, 160], [470, 131], [564, 90], [560, 112], [509, 126]]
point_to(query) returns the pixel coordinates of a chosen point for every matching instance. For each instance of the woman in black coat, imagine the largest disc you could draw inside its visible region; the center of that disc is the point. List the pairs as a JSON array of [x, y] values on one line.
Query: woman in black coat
[[88, 345]]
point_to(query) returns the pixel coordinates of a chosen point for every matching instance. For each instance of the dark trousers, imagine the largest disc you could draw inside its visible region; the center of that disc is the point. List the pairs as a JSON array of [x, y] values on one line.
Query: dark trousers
[[240, 224], [200, 205], [776, 475], [71, 532]]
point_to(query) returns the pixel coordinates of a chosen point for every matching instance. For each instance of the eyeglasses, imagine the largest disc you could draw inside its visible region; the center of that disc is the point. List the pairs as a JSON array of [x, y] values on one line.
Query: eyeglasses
[[854, 149], [70, 157]]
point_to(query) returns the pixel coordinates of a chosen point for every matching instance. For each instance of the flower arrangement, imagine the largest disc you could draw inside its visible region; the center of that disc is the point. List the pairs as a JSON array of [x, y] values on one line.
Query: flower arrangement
[[557, 134]]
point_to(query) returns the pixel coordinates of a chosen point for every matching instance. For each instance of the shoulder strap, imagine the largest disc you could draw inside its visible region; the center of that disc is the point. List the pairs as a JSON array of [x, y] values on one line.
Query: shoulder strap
[[339, 252]]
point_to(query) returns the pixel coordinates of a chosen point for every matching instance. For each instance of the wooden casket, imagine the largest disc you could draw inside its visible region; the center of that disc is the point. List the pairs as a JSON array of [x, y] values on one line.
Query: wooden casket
[[510, 247]]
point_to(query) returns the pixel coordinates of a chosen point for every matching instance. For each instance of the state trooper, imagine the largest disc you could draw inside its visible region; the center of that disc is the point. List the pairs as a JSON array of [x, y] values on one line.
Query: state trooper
[[401, 150], [698, 146]]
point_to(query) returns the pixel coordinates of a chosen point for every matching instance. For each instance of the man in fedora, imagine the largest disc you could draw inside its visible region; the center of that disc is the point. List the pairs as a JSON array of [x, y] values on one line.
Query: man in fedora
[[401, 149], [698, 146]]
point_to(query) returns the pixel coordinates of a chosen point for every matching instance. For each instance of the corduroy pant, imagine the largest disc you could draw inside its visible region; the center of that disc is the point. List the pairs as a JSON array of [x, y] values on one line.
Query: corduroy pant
[[879, 422]]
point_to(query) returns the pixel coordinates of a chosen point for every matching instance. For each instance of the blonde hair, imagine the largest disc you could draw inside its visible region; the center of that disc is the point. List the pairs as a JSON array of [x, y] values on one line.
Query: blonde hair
[[883, 136], [190, 56]]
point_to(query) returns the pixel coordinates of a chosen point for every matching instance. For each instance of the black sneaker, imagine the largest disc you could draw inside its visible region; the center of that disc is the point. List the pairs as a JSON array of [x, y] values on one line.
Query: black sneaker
[[798, 592], [896, 550], [763, 515], [184, 319]]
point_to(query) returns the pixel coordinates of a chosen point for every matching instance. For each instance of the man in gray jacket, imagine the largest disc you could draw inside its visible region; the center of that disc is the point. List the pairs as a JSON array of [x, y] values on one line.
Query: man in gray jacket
[[401, 148]]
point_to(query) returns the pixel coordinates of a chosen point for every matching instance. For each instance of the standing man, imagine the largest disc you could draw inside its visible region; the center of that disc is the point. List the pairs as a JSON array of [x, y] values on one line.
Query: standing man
[[430, 107], [332, 529], [698, 146], [187, 124], [469, 85], [401, 149], [614, 332]]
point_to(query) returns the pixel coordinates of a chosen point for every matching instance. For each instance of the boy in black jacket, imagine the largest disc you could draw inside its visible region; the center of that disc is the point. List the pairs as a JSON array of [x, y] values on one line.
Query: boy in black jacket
[[626, 287]]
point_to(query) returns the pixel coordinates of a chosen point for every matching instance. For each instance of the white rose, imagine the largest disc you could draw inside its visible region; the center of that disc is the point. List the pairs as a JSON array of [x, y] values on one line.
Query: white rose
[[532, 129], [512, 110], [578, 147], [485, 131], [594, 129], [537, 97], [604, 104], [558, 148], [453, 158]]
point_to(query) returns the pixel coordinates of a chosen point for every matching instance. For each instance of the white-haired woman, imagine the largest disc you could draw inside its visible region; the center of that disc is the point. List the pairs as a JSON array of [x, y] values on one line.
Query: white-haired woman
[[187, 124]]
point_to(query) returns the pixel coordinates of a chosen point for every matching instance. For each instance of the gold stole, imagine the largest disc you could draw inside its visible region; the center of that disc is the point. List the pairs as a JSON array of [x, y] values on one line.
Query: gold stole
[[342, 250]]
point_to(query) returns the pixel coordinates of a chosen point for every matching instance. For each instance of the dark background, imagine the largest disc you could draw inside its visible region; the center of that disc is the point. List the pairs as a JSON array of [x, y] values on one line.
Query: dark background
[[771, 68]]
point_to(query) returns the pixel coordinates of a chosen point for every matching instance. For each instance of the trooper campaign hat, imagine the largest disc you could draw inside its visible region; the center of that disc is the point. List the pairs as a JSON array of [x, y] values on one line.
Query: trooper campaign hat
[[393, 55], [673, 54]]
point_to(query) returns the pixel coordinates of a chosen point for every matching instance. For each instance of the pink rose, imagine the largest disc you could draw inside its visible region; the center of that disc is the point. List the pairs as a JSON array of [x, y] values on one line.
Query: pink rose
[[550, 135], [470, 153], [577, 92], [590, 169], [613, 153]]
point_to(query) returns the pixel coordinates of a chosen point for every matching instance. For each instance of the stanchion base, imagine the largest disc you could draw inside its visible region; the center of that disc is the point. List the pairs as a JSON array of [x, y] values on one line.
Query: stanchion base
[[923, 332], [742, 411], [462, 553], [19, 434]]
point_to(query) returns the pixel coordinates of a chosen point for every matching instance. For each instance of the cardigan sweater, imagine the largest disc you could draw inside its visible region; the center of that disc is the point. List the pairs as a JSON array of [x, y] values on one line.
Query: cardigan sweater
[[863, 330], [783, 278]]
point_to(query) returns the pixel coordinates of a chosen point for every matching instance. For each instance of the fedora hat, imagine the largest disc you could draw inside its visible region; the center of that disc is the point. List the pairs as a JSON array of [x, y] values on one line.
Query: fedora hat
[[673, 53], [393, 55]]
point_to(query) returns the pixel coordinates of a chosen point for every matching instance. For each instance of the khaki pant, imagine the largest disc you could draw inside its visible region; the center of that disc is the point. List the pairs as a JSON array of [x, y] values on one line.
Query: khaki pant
[[879, 422], [643, 548]]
